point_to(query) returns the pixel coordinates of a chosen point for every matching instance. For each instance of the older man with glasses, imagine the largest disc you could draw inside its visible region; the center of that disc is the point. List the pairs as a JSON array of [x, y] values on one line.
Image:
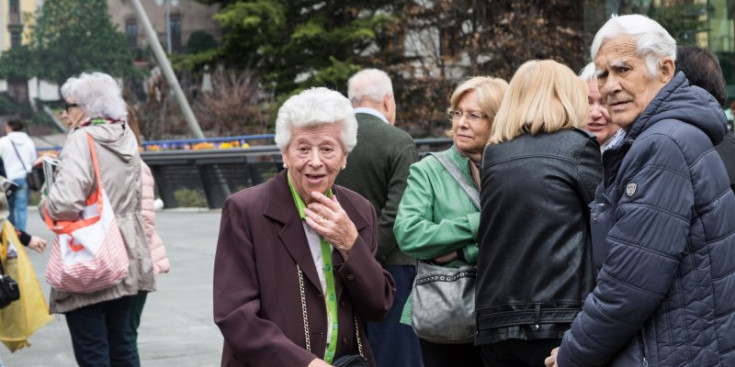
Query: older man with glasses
[[663, 220]]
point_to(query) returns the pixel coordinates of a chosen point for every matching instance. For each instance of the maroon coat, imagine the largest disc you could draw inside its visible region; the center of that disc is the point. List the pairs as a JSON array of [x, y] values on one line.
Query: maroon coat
[[257, 303]]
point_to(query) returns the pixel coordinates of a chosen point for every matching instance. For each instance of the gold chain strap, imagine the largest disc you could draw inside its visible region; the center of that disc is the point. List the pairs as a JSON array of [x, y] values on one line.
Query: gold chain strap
[[305, 316], [357, 334]]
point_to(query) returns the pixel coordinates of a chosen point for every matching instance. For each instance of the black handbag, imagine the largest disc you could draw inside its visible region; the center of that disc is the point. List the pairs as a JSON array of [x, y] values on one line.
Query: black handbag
[[9, 290], [352, 360], [33, 178]]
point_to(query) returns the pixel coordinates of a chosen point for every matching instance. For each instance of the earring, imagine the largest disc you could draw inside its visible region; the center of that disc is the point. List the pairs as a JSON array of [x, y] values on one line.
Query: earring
[[344, 166], [285, 165]]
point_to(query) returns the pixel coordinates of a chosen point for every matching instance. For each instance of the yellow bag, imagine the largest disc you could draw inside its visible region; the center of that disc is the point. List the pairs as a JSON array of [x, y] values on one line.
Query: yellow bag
[[23, 317]]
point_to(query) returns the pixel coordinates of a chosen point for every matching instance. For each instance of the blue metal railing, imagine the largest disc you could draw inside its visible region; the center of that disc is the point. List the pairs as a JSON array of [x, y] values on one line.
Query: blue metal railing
[[189, 143]]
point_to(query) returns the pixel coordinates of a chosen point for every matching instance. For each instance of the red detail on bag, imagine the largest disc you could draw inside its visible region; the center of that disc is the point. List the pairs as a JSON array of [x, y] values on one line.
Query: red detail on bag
[[76, 247]]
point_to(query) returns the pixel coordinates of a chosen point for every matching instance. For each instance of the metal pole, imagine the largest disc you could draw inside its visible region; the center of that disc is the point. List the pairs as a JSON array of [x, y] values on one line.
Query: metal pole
[[168, 25], [168, 72], [3, 25]]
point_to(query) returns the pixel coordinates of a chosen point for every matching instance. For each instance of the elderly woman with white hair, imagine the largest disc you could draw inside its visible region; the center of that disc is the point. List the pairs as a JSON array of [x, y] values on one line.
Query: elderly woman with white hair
[[663, 218], [295, 274], [600, 124], [99, 321]]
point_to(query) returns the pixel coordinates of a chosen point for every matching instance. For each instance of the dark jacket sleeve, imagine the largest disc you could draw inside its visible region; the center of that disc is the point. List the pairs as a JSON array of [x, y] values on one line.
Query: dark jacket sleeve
[[237, 297], [371, 288], [400, 167], [589, 170], [644, 248], [23, 236]]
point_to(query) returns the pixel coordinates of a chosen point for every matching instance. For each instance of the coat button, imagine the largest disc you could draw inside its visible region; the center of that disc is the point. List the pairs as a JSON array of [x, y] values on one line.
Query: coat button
[[342, 303], [536, 327], [344, 340], [350, 276]]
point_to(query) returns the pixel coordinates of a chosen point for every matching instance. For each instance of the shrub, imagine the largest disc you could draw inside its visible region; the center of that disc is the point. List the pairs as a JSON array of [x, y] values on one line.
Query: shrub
[[190, 198]]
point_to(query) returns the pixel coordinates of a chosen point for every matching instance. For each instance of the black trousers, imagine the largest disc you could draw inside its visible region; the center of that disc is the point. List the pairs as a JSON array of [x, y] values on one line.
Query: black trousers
[[448, 355], [102, 336], [518, 353]]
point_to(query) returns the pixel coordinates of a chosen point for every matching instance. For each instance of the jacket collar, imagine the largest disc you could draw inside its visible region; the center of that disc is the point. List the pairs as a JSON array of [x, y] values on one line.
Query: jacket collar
[[280, 207], [689, 104]]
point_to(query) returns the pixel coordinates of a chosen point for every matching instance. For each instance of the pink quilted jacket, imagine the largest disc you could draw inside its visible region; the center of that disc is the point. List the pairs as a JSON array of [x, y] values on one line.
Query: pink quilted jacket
[[158, 252]]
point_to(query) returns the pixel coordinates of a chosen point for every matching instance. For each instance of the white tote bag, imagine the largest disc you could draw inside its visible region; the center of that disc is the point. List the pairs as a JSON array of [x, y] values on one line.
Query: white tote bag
[[89, 253]]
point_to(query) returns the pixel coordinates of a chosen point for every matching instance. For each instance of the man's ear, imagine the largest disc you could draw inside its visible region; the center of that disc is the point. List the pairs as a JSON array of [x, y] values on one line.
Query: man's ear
[[387, 100], [666, 69]]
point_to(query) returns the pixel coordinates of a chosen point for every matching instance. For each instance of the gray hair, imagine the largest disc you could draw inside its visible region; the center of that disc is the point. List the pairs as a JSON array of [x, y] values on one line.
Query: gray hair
[[98, 94], [372, 84], [653, 41], [588, 73], [317, 106]]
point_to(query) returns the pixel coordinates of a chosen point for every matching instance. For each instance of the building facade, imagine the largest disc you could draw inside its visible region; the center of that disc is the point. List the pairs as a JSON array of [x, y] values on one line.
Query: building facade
[[174, 21], [15, 24]]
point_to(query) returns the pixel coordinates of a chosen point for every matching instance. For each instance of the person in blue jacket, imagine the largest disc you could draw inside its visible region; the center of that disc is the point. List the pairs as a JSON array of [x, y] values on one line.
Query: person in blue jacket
[[663, 219]]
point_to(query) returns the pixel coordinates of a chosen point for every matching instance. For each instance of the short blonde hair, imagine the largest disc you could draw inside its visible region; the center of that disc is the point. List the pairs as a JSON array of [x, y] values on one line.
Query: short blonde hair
[[489, 91], [543, 96]]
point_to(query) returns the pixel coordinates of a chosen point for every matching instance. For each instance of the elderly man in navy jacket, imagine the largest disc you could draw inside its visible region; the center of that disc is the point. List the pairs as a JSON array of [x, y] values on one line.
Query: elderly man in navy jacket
[[663, 220]]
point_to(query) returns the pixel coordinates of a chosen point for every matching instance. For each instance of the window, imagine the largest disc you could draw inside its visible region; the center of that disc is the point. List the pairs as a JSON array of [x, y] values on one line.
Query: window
[[175, 32], [395, 44], [131, 32], [14, 12], [448, 42], [14, 7], [15, 38]]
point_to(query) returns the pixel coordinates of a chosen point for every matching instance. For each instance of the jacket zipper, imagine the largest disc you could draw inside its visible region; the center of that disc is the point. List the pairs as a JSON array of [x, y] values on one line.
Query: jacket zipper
[[642, 345]]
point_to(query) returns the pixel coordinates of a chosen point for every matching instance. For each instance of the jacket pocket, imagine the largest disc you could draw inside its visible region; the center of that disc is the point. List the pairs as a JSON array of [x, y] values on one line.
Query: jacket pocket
[[632, 355]]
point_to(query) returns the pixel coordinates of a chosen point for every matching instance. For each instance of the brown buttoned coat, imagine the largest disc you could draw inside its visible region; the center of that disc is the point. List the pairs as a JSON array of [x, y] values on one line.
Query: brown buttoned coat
[[257, 302]]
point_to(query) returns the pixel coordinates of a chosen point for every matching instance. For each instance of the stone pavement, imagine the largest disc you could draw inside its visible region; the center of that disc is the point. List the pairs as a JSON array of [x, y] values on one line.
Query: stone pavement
[[176, 327]]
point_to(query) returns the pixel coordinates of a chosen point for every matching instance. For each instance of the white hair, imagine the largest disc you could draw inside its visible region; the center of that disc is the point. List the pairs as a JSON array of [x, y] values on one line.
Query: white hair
[[652, 40], [98, 94], [316, 106], [372, 84], [588, 73]]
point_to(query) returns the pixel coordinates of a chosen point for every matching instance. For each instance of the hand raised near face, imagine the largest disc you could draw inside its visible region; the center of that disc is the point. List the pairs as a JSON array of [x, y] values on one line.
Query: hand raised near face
[[330, 221], [550, 361]]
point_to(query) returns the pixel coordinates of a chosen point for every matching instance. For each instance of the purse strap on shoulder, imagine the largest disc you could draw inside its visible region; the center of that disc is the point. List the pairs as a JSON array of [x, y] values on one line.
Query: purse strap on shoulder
[[18, 155], [305, 316], [467, 187]]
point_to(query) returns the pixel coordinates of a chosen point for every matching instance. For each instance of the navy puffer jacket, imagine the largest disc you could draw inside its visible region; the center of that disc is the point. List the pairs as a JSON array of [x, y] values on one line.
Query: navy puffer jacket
[[663, 233]]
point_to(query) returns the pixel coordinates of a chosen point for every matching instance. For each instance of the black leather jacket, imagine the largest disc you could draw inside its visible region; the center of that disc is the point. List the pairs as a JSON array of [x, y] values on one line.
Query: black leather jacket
[[535, 263]]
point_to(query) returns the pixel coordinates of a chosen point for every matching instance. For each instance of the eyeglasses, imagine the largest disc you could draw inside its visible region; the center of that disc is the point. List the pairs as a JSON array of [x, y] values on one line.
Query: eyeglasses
[[67, 106], [471, 116]]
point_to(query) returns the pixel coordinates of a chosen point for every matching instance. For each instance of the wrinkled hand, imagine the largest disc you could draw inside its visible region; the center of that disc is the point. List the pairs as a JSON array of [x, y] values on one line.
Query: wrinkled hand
[[330, 221], [446, 257], [550, 361], [37, 244]]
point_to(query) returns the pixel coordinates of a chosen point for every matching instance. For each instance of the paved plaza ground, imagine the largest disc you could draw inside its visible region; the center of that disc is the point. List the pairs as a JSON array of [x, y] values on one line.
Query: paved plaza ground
[[176, 328]]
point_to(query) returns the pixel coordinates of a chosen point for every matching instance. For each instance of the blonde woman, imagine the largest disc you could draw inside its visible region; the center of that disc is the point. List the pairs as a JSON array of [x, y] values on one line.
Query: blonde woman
[[538, 176], [436, 220]]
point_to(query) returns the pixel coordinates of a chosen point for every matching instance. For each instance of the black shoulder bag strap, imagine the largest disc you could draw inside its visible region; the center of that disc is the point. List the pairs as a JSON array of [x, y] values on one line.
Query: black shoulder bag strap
[[468, 188], [18, 155]]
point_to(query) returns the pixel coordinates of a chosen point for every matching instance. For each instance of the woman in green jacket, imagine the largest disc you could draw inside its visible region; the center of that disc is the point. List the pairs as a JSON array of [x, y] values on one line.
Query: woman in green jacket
[[436, 221]]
